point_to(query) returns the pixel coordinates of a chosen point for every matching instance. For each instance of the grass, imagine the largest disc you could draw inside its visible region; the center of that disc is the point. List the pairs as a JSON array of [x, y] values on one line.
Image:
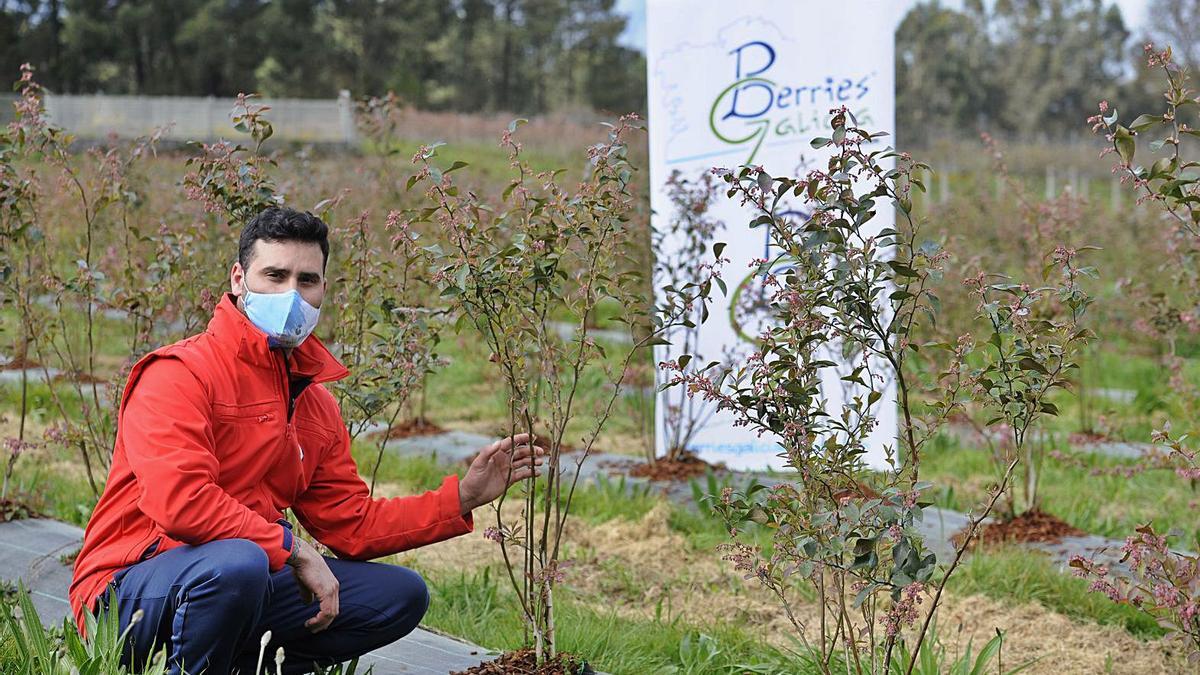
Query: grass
[[480, 608], [1110, 506], [1016, 577]]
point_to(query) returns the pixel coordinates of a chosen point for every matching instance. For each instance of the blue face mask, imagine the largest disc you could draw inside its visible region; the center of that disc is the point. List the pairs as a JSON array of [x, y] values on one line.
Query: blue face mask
[[285, 317]]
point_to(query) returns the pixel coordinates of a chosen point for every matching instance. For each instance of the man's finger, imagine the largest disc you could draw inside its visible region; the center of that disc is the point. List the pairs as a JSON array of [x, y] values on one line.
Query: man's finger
[[329, 611], [507, 443], [319, 622], [503, 447], [522, 474], [528, 451]]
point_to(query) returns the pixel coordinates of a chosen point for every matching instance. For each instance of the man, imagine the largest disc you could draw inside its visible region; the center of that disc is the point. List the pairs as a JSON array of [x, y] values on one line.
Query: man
[[217, 435]]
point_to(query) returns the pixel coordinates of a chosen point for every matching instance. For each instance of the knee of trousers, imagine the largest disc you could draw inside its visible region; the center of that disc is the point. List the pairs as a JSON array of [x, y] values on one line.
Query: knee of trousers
[[238, 571], [408, 597]]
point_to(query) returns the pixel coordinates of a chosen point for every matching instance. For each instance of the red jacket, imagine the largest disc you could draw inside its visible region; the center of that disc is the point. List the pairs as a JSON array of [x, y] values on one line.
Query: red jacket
[[209, 448]]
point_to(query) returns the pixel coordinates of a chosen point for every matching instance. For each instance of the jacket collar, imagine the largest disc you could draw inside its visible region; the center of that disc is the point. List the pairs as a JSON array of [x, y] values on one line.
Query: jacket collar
[[233, 330]]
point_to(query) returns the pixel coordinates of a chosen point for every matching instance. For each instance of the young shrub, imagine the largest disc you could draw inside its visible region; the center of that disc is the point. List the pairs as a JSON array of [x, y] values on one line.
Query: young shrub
[[508, 270], [19, 234], [1028, 325], [230, 179], [681, 247], [843, 533], [60, 307], [1160, 580], [385, 335]]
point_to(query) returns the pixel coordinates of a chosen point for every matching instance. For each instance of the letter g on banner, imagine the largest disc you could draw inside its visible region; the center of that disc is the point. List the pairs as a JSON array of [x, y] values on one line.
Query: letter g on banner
[[757, 135], [749, 98]]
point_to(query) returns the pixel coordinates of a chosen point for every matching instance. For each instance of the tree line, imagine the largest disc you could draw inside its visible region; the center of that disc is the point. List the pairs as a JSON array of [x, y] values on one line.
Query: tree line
[[1025, 68], [1029, 68], [469, 55]]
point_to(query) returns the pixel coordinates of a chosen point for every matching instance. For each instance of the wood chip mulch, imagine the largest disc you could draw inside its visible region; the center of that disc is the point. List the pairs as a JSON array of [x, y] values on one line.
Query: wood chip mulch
[[407, 429], [686, 467], [19, 363], [81, 378], [1087, 438], [523, 662], [1031, 526]]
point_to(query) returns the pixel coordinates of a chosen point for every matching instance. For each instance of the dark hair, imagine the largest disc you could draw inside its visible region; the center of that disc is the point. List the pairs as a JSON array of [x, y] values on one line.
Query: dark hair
[[278, 223]]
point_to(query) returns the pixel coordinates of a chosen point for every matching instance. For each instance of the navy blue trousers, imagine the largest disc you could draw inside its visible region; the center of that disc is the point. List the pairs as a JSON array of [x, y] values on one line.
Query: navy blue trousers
[[210, 605]]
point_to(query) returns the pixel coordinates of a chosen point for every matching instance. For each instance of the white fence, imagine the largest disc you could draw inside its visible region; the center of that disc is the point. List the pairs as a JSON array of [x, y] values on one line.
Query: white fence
[[194, 118]]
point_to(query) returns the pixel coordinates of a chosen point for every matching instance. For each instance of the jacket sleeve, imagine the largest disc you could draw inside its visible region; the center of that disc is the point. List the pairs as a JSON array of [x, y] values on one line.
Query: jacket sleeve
[[166, 427], [338, 510]]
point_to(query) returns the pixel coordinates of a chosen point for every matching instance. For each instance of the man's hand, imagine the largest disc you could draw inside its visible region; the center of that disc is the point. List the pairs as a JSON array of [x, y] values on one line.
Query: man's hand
[[316, 581], [497, 467]]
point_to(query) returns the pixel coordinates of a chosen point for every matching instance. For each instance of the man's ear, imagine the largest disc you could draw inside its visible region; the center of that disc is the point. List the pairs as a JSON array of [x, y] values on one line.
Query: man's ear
[[237, 278]]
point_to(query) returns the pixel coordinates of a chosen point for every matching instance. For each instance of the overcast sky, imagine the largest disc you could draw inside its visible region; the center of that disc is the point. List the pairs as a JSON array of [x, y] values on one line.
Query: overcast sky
[[1134, 12]]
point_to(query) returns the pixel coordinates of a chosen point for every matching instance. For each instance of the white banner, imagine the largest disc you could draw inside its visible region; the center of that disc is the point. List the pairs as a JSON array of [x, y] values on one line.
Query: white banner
[[752, 82]]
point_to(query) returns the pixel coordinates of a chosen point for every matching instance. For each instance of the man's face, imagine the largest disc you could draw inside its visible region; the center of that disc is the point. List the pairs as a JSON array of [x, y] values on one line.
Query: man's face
[[280, 266]]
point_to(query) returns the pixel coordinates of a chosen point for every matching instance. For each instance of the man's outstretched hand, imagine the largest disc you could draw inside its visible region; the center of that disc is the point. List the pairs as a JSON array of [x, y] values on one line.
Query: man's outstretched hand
[[497, 467]]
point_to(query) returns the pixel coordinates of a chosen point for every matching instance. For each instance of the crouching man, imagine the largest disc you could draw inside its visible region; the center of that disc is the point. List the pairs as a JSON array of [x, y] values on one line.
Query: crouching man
[[217, 435]]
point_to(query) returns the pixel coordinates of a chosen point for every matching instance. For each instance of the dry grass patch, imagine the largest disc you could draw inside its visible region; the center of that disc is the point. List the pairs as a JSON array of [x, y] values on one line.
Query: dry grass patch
[[644, 570]]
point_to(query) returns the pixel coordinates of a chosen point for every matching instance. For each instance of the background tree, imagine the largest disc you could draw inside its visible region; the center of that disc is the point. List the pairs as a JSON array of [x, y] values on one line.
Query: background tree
[[1176, 23], [527, 56], [1026, 68]]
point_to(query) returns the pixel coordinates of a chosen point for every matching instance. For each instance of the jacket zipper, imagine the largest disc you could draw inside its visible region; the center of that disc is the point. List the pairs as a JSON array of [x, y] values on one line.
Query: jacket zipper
[[288, 407]]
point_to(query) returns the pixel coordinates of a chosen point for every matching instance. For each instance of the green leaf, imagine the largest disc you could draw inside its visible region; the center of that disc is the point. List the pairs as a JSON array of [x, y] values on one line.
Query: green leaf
[[989, 652], [1125, 144], [1144, 122], [1030, 364], [764, 181], [901, 269]]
